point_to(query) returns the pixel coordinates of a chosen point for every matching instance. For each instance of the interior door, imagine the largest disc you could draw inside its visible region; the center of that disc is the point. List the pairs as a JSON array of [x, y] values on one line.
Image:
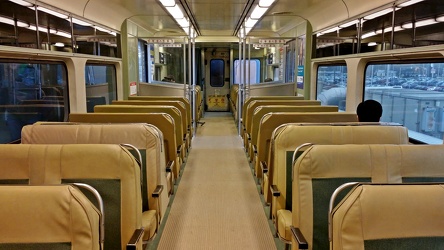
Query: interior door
[[217, 84]]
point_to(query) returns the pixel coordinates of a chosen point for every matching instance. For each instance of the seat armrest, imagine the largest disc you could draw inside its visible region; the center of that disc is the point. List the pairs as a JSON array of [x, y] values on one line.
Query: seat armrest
[[169, 166], [248, 137], [275, 191], [136, 239], [300, 239], [264, 167], [254, 149], [157, 191], [179, 149]]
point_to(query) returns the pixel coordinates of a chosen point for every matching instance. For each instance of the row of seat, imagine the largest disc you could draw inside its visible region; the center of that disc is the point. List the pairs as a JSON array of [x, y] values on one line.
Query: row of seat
[[153, 136], [285, 138], [386, 218], [110, 169]]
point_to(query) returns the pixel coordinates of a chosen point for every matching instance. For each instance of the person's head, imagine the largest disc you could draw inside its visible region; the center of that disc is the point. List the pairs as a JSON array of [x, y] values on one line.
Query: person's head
[[369, 111]]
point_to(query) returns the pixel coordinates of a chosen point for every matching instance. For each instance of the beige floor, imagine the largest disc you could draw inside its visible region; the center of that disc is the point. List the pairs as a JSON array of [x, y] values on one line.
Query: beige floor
[[217, 205]]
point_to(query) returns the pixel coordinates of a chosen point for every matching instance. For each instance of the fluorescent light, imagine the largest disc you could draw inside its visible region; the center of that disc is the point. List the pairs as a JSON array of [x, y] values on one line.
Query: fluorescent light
[[368, 35], [59, 44], [247, 30], [175, 11], [379, 13], [389, 29], [168, 3], [330, 30], [266, 3], [22, 3], [258, 12], [425, 22], [250, 22], [440, 19], [348, 24], [51, 12], [183, 22], [80, 22], [64, 34], [7, 21], [372, 44], [419, 23], [405, 4]]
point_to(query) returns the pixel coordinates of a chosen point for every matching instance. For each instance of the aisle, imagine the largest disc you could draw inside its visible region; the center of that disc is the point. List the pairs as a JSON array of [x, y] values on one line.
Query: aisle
[[217, 205]]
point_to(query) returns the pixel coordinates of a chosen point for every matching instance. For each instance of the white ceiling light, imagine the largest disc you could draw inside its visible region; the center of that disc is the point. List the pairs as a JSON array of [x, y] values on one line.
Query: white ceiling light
[[168, 3], [80, 22], [419, 23], [368, 35], [250, 22], [372, 44], [258, 12], [52, 12], [175, 11], [266, 3], [64, 34], [425, 22], [330, 30], [183, 22], [379, 13], [22, 3], [59, 44], [348, 24], [405, 4]]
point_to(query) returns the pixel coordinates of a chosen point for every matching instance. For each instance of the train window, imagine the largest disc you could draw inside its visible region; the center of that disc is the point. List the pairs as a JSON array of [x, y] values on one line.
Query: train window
[[412, 94], [217, 72], [30, 92], [255, 70], [331, 85], [101, 85]]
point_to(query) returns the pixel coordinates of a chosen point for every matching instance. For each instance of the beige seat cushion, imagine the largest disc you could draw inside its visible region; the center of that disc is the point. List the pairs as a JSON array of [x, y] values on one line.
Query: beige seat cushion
[[144, 137], [371, 216]]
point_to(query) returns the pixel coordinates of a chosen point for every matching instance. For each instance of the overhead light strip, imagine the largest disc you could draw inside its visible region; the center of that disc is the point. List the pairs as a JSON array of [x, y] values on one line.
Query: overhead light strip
[[258, 12]]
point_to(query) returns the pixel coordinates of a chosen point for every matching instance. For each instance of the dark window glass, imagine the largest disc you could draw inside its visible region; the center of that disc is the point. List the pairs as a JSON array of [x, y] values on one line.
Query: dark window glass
[[101, 86], [31, 92], [217, 72]]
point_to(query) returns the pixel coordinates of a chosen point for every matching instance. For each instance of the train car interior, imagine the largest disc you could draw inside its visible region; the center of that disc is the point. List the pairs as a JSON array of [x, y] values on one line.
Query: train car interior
[[234, 123]]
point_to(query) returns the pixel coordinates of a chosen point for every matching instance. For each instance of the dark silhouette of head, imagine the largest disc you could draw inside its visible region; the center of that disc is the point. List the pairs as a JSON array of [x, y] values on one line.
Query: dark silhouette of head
[[369, 111]]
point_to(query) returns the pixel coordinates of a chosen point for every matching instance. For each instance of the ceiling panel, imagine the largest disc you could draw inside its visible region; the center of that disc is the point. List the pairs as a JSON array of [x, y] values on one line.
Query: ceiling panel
[[217, 17]]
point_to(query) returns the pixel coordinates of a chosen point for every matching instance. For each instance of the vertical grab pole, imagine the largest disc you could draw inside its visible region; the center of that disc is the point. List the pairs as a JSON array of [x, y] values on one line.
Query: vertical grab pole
[[239, 93], [247, 92], [193, 42], [190, 78], [244, 63], [185, 94]]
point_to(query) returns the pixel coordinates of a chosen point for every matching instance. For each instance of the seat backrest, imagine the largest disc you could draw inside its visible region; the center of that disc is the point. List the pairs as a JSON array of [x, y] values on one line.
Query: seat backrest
[[370, 217], [145, 137], [288, 137], [254, 104], [385, 163], [172, 111], [260, 111], [110, 169], [162, 121], [49, 217], [186, 113], [185, 101], [271, 121], [265, 98]]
